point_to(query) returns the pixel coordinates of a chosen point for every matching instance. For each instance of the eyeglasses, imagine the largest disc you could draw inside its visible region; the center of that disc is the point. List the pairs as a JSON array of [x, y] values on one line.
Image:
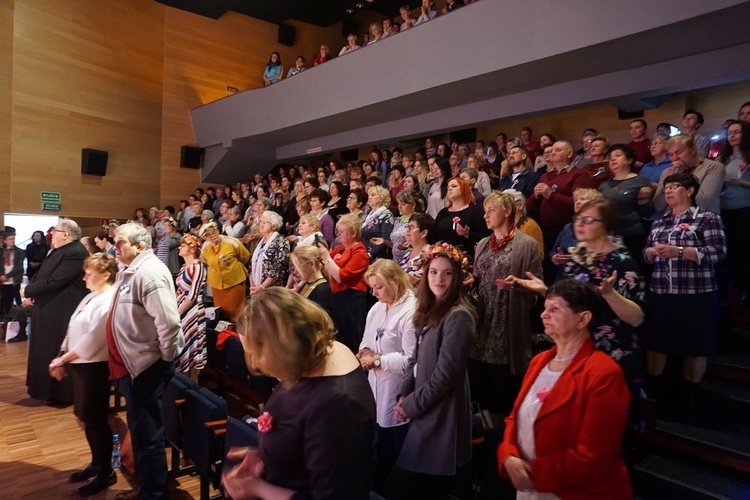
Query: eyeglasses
[[586, 220], [673, 187], [59, 231], [412, 227]]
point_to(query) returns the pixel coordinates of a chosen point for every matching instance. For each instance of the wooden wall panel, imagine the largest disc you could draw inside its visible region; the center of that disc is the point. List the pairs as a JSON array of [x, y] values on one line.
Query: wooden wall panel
[[87, 74], [202, 57], [6, 100]]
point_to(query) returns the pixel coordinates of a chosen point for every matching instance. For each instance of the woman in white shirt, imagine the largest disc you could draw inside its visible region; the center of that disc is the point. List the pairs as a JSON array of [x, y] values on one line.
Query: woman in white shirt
[[84, 351], [351, 44], [387, 345]]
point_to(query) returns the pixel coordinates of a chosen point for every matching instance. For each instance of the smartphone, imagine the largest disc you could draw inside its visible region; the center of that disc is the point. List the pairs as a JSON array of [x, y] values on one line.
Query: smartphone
[[320, 241]]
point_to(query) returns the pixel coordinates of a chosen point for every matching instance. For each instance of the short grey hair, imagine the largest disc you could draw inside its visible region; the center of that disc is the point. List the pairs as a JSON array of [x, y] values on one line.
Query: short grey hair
[[235, 211], [135, 233], [518, 195], [71, 227], [273, 218], [266, 201], [208, 214]]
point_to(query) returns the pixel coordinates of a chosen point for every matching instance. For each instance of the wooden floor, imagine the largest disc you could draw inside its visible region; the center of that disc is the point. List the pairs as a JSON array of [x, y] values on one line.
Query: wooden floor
[[41, 445]]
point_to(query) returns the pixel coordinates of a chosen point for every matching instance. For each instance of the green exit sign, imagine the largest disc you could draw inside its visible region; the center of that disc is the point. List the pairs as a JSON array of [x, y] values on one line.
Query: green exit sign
[[50, 197], [51, 206]]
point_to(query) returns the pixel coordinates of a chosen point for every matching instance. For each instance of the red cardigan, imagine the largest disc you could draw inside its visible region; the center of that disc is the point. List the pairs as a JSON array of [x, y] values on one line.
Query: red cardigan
[[578, 429], [352, 266]]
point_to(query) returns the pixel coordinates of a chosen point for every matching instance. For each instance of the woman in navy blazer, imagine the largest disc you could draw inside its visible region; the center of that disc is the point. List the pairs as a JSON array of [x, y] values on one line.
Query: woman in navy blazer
[[565, 432]]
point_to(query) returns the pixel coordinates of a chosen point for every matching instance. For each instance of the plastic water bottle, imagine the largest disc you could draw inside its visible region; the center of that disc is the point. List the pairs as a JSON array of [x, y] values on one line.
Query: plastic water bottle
[[116, 451]]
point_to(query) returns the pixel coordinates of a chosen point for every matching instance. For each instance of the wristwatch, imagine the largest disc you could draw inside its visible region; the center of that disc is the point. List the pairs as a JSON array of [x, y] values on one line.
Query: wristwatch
[[680, 251], [376, 362]]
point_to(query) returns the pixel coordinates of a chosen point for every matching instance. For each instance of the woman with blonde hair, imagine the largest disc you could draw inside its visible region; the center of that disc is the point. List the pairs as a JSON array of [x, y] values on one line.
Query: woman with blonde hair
[[502, 348], [226, 258], [386, 347], [84, 353], [378, 222], [314, 283], [523, 222], [317, 430], [347, 264]]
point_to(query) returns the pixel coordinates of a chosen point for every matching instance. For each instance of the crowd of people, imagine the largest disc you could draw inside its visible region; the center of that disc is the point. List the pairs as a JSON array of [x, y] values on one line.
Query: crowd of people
[[389, 295], [274, 70]]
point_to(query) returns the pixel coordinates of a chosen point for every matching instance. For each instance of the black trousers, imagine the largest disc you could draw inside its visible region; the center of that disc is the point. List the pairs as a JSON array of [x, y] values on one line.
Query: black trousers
[[91, 399], [349, 313], [8, 295], [493, 386], [390, 441]]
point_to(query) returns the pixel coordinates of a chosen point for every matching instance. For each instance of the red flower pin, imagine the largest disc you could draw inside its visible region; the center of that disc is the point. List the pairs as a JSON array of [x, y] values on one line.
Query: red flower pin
[[456, 220], [265, 422], [684, 226], [542, 394]]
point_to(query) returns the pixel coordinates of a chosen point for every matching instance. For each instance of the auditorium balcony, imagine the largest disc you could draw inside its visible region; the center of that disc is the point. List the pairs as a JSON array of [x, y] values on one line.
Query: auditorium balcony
[[490, 60]]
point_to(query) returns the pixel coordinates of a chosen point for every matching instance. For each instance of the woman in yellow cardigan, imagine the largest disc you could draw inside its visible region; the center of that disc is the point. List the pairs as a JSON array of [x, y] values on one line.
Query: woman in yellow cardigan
[[226, 258]]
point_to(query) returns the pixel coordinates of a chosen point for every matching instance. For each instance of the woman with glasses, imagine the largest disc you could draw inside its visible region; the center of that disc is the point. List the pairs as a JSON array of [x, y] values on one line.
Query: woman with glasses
[[355, 203], [384, 352], [605, 263], [191, 282], [346, 264], [420, 234], [659, 160], [683, 247]]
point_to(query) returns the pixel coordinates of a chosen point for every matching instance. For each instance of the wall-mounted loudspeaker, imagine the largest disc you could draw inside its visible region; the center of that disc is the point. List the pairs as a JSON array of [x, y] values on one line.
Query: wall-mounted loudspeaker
[[287, 34], [94, 162], [191, 157]]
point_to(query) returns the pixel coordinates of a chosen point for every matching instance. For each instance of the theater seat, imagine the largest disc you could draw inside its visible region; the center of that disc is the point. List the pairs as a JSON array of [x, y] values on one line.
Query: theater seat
[[172, 403], [204, 412]]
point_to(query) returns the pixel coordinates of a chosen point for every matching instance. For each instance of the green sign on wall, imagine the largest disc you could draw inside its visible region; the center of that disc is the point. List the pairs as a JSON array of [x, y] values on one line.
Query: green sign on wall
[[50, 197]]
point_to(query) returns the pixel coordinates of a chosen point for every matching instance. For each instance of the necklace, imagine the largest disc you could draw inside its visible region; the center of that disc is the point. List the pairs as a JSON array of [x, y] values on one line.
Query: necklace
[[496, 244], [566, 359]]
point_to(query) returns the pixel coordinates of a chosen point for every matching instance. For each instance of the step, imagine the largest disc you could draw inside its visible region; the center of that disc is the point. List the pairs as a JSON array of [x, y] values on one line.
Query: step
[[730, 448], [659, 477], [734, 367], [737, 393]]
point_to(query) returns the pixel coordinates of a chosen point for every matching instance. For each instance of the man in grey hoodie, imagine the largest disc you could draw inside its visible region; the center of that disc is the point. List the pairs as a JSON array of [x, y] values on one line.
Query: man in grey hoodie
[[144, 337]]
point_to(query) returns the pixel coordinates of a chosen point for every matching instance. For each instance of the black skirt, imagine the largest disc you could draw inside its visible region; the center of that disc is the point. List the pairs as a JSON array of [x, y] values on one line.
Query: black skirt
[[91, 387], [683, 325]]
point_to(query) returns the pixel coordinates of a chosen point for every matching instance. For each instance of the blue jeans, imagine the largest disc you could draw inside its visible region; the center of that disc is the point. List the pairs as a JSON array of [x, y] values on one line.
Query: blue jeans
[[147, 426]]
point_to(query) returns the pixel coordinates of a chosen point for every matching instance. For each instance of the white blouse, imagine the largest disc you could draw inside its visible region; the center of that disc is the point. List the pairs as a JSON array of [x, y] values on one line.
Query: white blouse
[[527, 413], [390, 333], [87, 329]]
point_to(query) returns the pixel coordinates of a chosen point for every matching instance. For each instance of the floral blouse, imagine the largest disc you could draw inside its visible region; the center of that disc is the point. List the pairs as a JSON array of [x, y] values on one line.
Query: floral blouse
[[610, 333], [377, 225]]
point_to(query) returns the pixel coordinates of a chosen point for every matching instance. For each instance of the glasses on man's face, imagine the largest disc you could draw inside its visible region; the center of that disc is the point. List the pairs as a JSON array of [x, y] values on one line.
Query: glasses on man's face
[[412, 227], [59, 230], [585, 220], [672, 187]]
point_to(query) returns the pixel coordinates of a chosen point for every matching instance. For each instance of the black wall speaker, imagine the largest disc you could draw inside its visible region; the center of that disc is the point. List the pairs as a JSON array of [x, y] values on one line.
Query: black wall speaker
[[191, 157], [94, 162], [287, 34], [350, 155]]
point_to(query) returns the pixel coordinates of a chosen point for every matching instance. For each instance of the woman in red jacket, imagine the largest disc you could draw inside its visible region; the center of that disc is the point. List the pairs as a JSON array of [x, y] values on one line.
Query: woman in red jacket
[[564, 434], [347, 264]]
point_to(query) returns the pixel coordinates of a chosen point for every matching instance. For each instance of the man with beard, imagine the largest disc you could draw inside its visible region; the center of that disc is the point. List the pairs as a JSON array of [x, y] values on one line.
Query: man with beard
[[519, 177]]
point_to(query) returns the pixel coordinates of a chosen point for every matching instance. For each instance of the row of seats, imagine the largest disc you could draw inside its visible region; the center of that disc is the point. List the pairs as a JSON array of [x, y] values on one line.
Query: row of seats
[[198, 429]]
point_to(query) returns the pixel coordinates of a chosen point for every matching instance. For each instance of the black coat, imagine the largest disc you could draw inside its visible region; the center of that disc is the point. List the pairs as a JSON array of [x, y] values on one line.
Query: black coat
[[57, 289]]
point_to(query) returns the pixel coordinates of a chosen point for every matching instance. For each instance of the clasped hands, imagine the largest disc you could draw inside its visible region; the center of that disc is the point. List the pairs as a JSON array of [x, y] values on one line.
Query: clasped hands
[[663, 250], [57, 369], [399, 412], [519, 472], [366, 358], [244, 479]]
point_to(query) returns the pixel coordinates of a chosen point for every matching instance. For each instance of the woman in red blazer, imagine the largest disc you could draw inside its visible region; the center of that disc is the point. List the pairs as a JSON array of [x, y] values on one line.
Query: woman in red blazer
[[346, 265], [565, 432]]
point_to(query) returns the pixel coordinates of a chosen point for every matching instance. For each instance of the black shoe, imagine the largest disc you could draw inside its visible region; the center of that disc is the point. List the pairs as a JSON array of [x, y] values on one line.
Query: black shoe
[[99, 483], [82, 475], [18, 338]]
